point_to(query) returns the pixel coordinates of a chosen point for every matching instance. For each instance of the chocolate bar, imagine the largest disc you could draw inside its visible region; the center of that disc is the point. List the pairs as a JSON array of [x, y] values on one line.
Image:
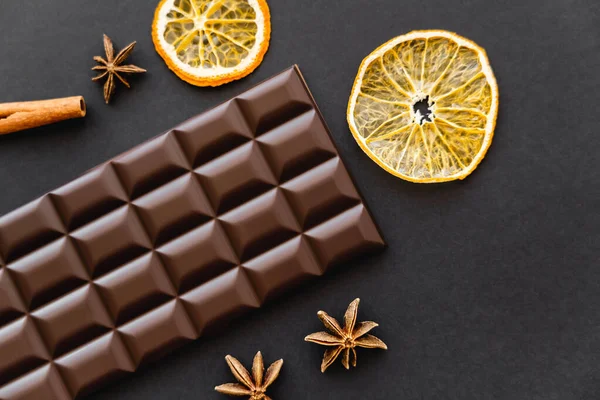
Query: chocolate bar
[[172, 239]]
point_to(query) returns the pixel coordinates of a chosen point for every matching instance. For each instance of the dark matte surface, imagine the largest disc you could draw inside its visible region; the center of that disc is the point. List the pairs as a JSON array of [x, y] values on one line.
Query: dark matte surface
[[490, 288]]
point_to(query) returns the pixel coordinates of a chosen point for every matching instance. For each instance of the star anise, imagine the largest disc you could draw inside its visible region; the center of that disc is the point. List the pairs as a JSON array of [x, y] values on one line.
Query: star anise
[[112, 67], [344, 340], [254, 386]]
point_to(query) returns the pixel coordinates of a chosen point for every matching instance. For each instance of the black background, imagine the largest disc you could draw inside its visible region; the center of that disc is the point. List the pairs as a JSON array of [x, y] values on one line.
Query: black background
[[490, 287]]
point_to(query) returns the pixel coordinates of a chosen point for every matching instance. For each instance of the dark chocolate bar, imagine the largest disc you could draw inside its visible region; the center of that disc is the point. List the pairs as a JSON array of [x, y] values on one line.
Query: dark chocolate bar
[[169, 240]]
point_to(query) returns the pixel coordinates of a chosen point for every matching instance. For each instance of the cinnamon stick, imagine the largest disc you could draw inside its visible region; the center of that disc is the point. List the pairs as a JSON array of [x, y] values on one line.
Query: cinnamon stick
[[18, 116]]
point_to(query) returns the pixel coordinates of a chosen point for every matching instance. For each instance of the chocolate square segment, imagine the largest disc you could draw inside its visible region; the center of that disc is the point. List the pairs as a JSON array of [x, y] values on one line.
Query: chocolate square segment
[[112, 240], [297, 145], [172, 240], [236, 177], [214, 133], [90, 196], [260, 224], [198, 256], [150, 165], [321, 193], [43, 383], [95, 364], [345, 236], [11, 305], [29, 228], [275, 102], [158, 332], [72, 320], [273, 272], [49, 272], [174, 209], [219, 300], [22, 349], [135, 288]]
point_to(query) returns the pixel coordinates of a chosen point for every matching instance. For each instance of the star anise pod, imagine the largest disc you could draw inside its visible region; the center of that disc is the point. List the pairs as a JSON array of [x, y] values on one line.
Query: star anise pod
[[254, 386], [345, 340], [112, 67]]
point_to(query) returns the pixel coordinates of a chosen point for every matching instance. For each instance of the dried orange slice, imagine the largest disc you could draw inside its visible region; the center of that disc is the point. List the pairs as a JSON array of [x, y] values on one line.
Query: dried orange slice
[[212, 42], [424, 106]]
